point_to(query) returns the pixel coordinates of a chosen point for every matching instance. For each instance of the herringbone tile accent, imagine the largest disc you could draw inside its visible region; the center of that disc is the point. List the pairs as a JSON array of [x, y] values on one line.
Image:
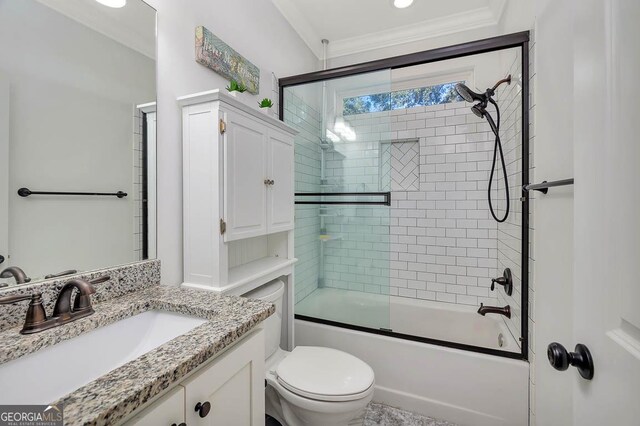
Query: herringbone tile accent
[[400, 166]]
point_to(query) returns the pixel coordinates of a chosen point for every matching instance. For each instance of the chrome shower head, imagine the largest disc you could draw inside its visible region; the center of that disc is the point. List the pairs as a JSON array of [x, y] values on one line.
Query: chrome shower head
[[468, 94]]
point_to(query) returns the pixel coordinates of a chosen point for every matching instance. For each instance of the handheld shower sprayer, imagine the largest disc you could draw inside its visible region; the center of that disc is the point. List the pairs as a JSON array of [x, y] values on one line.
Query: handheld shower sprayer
[[480, 109]]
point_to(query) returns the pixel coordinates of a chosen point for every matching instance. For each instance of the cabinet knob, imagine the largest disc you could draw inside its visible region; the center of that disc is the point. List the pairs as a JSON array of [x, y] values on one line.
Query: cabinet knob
[[266, 181], [181, 424], [272, 181], [203, 408]]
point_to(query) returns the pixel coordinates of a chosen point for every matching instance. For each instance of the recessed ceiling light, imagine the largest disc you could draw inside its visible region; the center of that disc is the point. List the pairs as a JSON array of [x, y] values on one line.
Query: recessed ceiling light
[[116, 3], [401, 4]]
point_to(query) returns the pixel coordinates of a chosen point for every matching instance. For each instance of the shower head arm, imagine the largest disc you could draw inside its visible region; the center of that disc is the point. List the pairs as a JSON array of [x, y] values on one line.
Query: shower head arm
[[504, 80]]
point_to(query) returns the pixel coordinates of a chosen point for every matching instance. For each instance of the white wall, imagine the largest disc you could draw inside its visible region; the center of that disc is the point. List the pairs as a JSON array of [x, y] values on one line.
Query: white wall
[[552, 214], [253, 28], [72, 94]]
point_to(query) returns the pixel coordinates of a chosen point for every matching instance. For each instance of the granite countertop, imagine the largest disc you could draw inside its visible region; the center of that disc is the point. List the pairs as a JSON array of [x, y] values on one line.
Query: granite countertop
[[117, 394]]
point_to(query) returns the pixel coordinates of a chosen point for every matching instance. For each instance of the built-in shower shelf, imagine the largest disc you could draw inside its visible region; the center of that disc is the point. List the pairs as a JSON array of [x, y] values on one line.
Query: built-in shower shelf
[[325, 238]]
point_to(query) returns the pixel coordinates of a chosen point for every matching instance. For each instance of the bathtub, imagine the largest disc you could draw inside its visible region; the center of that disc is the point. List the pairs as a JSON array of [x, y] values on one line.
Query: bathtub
[[461, 386]]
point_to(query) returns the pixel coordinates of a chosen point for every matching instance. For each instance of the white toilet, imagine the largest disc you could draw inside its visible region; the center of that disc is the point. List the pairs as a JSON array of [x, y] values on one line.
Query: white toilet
[[311, 385]]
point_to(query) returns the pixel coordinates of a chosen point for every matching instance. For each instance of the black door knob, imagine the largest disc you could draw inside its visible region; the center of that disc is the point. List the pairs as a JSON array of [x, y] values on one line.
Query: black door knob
[[203, 408], [561, 359]]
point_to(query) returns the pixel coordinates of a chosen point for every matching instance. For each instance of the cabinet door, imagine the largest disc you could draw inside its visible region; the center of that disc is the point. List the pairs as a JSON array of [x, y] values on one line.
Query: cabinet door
[[232, 388], [280, 208], [245, 171], [166, 411]]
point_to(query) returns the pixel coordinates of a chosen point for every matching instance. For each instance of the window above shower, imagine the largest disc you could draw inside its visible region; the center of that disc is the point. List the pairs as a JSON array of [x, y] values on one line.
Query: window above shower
[[406, 90]]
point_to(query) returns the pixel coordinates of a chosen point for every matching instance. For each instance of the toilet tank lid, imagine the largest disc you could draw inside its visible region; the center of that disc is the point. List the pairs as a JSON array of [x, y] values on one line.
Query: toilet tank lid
[[270, 292]]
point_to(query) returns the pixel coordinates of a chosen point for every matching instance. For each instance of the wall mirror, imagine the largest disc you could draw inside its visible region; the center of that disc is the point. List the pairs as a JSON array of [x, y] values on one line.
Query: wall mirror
[[77, 136]]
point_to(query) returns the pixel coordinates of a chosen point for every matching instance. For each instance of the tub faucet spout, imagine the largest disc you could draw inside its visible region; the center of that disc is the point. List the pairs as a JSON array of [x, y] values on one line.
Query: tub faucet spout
[[506, 310]]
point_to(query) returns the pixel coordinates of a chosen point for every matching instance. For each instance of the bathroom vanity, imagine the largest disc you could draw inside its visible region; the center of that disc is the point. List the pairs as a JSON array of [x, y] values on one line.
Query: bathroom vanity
[[149, 355], [227, 390]]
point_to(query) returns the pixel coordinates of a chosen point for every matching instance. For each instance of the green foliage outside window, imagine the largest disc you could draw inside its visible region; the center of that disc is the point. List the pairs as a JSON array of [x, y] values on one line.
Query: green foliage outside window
[[422, 96]]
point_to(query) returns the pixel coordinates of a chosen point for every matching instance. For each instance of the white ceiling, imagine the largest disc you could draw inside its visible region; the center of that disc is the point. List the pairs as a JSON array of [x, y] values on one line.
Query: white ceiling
[[354, 26], [133, 25]]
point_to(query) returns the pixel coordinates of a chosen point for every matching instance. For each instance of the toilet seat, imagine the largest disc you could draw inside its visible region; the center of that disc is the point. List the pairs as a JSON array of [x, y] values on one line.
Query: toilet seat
[[325, 374]]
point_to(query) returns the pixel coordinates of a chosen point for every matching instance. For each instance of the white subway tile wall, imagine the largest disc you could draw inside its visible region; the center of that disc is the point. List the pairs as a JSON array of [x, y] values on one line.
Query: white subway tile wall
[[137, 182], [510, 231], [306, 120], [442, 242]]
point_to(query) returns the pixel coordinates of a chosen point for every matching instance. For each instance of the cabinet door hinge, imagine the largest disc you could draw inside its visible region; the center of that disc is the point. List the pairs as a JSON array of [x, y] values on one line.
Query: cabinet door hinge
[[223, 226], [222, 126]]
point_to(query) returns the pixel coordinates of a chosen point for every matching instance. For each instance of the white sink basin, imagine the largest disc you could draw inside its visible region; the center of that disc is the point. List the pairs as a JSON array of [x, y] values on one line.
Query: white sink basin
[[46, 375]]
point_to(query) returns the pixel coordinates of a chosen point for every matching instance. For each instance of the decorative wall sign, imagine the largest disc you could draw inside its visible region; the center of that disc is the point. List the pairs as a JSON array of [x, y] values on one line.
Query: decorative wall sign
[[215, 54]]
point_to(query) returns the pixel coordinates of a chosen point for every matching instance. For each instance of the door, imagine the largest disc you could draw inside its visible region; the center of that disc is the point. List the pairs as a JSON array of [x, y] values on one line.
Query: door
[[231, 390], [4, 171], [167, 410], [245, 171], [280, 189], [607, 210]]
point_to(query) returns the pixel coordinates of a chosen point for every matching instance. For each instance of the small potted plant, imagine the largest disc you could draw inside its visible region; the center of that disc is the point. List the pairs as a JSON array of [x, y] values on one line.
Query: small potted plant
[[235, 87], [266, 105]]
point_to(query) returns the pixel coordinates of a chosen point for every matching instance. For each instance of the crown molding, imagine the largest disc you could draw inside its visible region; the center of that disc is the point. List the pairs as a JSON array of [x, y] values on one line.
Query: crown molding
[[481, 17], [465, 21]]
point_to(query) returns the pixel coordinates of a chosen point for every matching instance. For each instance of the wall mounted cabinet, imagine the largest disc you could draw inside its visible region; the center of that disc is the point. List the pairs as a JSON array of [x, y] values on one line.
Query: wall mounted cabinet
[[258, 178], [238, 195]]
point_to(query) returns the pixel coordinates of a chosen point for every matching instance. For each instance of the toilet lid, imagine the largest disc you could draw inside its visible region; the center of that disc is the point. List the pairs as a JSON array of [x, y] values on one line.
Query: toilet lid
[[324, 374]]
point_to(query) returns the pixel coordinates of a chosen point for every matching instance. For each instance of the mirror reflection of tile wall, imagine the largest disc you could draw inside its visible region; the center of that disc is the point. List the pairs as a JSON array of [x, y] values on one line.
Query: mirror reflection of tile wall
[[71, 77]]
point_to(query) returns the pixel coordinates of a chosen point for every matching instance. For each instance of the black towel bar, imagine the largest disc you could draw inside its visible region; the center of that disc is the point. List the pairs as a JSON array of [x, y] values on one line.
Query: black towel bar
[[544, 186], [386, 201], [25, 192]]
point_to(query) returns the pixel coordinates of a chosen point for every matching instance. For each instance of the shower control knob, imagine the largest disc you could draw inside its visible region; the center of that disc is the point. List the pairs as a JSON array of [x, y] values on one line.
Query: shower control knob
[[561, 359], [506, 280], [203, 408]]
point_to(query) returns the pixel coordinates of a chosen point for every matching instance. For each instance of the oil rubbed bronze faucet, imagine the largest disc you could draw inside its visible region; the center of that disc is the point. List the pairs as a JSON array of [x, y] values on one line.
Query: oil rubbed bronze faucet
[[506, 310], [15, 272], [63, 312]]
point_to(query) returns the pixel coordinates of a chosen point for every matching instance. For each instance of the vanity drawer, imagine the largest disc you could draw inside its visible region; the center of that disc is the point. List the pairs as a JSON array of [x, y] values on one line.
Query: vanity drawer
[[166, 411]]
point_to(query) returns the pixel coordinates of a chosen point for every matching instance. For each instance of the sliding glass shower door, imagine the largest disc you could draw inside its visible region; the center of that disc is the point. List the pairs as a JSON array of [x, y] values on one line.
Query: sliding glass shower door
[[342, 199]]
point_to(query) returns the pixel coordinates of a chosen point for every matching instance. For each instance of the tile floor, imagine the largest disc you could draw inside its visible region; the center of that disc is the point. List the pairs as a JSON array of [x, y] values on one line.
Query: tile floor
[[384, 415]]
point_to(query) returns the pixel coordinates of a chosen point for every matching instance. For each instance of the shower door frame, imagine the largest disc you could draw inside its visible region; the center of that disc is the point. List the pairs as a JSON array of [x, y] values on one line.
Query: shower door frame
[[508, 41]]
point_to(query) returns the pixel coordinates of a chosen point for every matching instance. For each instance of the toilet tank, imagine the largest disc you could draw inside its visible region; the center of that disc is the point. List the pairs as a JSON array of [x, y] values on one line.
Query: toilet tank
[[271, 292]]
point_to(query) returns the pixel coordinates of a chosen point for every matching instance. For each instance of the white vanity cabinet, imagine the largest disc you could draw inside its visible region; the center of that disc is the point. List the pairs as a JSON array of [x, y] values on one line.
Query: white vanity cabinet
[[168, 410], [238, 195], [229, 390]]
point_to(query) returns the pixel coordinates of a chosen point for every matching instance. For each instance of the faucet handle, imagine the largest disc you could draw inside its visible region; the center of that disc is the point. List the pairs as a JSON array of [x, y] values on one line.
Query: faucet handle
[[16, 298], [61, 274], [36, 315], [100, 279]]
